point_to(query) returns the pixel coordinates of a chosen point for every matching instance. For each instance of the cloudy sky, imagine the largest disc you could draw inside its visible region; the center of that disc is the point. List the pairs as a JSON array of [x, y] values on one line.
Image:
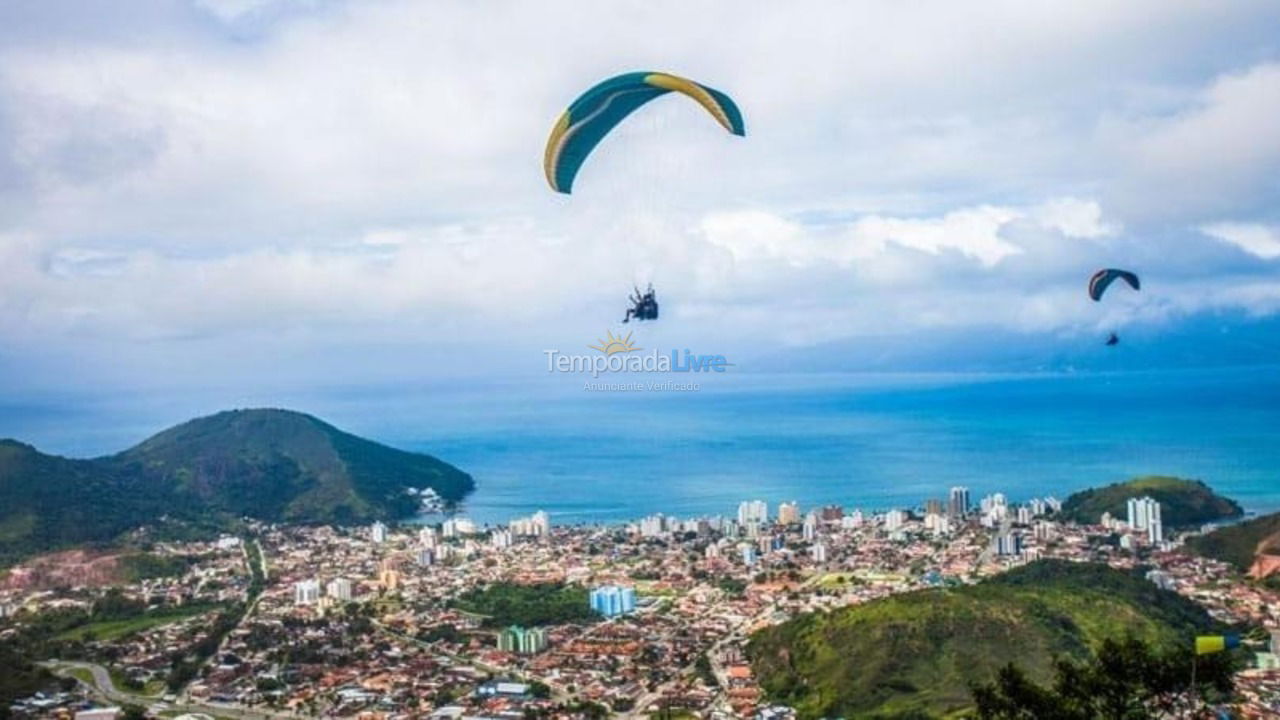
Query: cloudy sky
[[247, 192]]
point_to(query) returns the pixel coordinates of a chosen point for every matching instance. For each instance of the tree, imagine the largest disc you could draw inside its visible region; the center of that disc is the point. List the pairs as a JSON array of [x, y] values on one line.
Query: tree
[[1127, 680], [539, 689]]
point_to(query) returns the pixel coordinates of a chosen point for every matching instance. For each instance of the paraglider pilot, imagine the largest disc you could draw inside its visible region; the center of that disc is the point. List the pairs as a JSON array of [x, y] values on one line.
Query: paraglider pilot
[[644, 307]]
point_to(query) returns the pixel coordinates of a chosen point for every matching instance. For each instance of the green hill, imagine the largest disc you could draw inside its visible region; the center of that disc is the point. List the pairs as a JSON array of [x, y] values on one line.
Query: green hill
[[1183, 503], [918, 652], [1240, 544], [273, 465]]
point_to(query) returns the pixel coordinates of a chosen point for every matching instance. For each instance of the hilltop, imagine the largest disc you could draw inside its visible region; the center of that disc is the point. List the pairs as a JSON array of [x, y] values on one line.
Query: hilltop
[[1183, 503], [1252, 546], [918, 652], [271, 465]]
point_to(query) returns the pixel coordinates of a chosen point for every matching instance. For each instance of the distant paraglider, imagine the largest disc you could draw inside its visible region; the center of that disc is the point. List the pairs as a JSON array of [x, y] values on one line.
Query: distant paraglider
[[643, 306], [1102, 280], [597, 111]]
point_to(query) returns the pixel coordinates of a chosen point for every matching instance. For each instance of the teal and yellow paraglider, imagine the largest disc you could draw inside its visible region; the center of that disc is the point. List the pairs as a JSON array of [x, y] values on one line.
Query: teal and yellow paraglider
[[1102, 280], [597, 111]]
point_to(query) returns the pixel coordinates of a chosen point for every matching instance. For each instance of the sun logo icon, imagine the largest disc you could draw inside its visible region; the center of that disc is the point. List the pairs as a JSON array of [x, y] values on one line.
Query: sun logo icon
[[611, 345]]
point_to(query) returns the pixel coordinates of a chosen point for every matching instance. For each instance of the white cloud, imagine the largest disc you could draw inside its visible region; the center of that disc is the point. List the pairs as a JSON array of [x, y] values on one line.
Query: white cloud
[[1074, 218], [973, 233], [1215, 154], [1255, 239]]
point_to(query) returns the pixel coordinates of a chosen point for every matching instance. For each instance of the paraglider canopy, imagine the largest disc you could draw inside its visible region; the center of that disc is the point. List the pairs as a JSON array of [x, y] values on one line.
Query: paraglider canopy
[[1113, 340], [597, 111], [1102, 280]]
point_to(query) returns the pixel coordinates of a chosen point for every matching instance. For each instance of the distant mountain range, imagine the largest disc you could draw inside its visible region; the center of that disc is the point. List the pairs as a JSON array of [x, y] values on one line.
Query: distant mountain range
[[914, 655], [1203, 341], [271, 465], [1183, 503]]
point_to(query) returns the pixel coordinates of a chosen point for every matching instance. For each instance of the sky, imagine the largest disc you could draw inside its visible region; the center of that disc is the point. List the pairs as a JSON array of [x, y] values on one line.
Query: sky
[[263, 193]]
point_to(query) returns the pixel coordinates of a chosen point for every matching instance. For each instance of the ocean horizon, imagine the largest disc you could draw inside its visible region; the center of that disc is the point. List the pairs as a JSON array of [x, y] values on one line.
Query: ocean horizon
[[869, 441]]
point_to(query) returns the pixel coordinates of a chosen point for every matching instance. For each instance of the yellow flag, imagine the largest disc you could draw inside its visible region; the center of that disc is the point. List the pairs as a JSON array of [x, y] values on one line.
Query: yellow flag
[[1206, 644]]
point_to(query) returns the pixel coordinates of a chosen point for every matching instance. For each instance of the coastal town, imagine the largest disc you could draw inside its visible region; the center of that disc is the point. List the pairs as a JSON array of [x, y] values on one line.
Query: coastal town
[[534, 619]]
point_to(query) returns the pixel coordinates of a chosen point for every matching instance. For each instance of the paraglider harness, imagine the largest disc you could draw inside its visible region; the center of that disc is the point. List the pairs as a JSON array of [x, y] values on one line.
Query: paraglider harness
[[644, 307]]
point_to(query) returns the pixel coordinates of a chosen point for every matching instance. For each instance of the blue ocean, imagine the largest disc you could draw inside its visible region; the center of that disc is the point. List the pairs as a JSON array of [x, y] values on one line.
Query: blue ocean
[[866, 441]]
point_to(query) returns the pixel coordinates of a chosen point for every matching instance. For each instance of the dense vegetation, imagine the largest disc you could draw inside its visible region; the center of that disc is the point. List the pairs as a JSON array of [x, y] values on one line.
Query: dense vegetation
[[150, 566], [920, 652], [1127, 679], [19, 676], [505, 604], [1240, 544], [273, 465], [1183, 503], [64, 633]]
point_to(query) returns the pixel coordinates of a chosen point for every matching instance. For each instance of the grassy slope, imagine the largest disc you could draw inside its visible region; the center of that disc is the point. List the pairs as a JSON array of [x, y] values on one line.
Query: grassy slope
[[1184, 503], [1238, 544], [107, 630], [528, 605], [920, 651]]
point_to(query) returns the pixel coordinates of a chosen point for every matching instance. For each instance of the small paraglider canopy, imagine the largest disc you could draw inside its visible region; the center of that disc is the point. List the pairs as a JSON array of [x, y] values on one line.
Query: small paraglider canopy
[[1113, 340], [599, 110], [1102, 280], [644, 306]]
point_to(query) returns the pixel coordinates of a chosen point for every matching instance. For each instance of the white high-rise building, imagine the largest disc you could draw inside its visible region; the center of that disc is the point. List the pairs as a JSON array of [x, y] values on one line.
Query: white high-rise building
[[1144, 514], [500, 539], [378, 532], [541, 523], [995, 503], [753, 511], [810, 529], [1155, 525], [939, 524], [339, 589], [894, 520], [306, 592], [653, 526], [427, 537], [536, 525], [1137, 513], [1008, 544], [457, 527], [819, 552]]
